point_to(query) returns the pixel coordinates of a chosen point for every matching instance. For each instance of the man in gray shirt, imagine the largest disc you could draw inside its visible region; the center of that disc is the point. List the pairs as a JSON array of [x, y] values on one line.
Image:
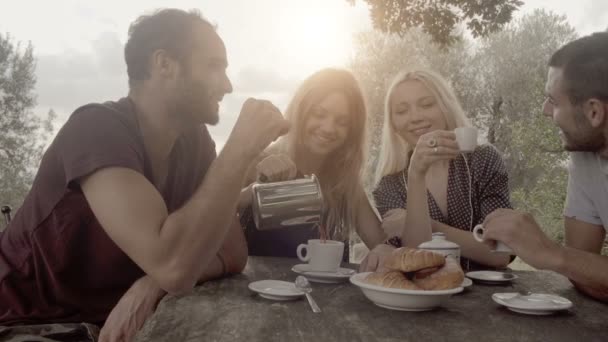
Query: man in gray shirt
[[577, 101]]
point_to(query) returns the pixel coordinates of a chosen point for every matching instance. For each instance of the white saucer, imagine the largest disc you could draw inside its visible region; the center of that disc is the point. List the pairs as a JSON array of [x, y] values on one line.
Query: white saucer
[[491, 277], [466, 282], [324, 277], [276, 289], [532, 304]]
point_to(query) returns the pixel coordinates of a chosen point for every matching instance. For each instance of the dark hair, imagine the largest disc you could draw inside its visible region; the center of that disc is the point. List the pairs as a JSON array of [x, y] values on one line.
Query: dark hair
[[585, 67], [167, 29]]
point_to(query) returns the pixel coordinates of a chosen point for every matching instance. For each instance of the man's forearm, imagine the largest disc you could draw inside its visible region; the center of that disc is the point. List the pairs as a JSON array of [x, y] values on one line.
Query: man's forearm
[[231, 258], [195, 232], [599, 293], [150, 289], [586, 270], [221, 266], [147, 288]]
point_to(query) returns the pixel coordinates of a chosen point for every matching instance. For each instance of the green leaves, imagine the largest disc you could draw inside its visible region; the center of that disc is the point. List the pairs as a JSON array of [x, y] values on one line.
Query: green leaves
[[440, 18], [22, 133], [515, 62]]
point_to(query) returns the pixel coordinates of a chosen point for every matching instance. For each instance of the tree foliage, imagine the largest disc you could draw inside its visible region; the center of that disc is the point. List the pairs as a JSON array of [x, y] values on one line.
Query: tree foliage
[[511, 71], [22, 133], [440, 18]]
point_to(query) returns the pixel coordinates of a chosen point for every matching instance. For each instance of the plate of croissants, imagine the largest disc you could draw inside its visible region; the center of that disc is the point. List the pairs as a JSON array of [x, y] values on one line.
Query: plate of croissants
[[412, 280]]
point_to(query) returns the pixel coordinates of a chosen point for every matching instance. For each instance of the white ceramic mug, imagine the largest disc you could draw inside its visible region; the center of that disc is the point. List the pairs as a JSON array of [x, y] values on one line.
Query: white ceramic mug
[[322, 256], [466, 137], [500, 247]]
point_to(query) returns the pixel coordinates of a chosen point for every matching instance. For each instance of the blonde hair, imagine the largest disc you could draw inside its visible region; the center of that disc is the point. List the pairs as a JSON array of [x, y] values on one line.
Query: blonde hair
[[342, 172], [394, 152]]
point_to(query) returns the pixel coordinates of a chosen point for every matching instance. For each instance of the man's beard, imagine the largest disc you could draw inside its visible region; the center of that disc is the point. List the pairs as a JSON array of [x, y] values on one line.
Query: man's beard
[[194, 104], [586, 138]]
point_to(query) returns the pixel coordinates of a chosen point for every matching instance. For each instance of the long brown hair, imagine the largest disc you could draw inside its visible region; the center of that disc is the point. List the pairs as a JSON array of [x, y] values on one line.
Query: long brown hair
[[341, 173]]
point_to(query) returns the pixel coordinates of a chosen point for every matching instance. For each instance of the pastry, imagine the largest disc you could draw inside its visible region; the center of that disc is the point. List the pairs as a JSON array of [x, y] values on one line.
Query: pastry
[[447, 277], [406, 259], [391, 279]]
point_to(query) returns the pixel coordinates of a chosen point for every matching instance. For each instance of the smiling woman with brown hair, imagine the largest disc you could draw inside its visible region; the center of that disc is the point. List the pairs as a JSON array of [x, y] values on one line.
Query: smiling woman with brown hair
[[327, 138]]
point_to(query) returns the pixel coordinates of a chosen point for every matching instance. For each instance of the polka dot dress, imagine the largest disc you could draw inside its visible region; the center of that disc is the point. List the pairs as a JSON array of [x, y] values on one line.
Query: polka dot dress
[[467, 205]]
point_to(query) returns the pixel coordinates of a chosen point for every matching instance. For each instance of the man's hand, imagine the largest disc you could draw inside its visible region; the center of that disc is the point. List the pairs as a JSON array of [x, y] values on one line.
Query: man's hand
[[259, 124], [132, 310], [374, 261], [522, 234]]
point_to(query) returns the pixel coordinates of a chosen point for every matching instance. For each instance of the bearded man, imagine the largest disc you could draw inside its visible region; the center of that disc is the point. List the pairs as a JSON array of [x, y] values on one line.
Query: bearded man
[[577, 102], [130, 194]]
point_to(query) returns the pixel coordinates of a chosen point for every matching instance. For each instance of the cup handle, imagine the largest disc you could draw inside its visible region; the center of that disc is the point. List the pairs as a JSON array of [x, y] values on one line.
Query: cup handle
[[478, 232], [299, 252]]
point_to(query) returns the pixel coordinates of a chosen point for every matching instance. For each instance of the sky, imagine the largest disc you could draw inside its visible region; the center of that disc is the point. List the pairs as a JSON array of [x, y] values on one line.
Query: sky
[[272, 45]]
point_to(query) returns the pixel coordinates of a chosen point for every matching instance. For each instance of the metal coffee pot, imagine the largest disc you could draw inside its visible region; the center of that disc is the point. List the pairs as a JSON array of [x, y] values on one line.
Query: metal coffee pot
[[297, 202]]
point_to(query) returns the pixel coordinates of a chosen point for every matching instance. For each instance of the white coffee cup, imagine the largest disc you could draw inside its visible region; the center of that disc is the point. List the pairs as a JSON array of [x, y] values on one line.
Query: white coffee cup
[[322, 256], [500, 247], [466, 137]]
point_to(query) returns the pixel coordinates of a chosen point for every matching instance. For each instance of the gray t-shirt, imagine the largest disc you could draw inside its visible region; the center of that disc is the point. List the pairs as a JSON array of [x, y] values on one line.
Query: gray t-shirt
[[587, 198]]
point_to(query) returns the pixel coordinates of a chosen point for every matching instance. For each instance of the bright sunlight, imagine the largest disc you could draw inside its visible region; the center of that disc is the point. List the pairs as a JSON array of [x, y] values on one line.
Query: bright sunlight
[[314, 35]]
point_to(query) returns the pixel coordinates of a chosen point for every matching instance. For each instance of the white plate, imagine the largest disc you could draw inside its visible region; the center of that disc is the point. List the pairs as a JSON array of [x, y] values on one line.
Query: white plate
[[404, 300], [276, 289], [466, 282], [491, 277], [533, 304], [324, 277]]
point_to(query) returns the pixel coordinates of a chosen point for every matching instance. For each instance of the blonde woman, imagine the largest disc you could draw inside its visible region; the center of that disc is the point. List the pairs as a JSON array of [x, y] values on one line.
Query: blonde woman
[[426, 184], [326, 138]]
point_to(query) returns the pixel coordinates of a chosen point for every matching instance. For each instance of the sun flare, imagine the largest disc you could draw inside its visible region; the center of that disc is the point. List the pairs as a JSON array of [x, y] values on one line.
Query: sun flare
[[313, 36]]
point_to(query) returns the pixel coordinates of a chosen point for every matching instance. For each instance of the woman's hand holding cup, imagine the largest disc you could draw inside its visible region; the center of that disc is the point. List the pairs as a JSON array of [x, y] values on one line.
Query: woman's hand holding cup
[[432, 147]]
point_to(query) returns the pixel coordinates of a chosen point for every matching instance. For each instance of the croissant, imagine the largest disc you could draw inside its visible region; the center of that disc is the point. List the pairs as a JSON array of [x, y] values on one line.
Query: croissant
[[406, 259], [447, 277], [391, 279]]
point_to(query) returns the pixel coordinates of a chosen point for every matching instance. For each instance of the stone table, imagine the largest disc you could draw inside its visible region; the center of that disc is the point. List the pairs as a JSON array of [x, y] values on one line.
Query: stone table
[[226, 310]]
